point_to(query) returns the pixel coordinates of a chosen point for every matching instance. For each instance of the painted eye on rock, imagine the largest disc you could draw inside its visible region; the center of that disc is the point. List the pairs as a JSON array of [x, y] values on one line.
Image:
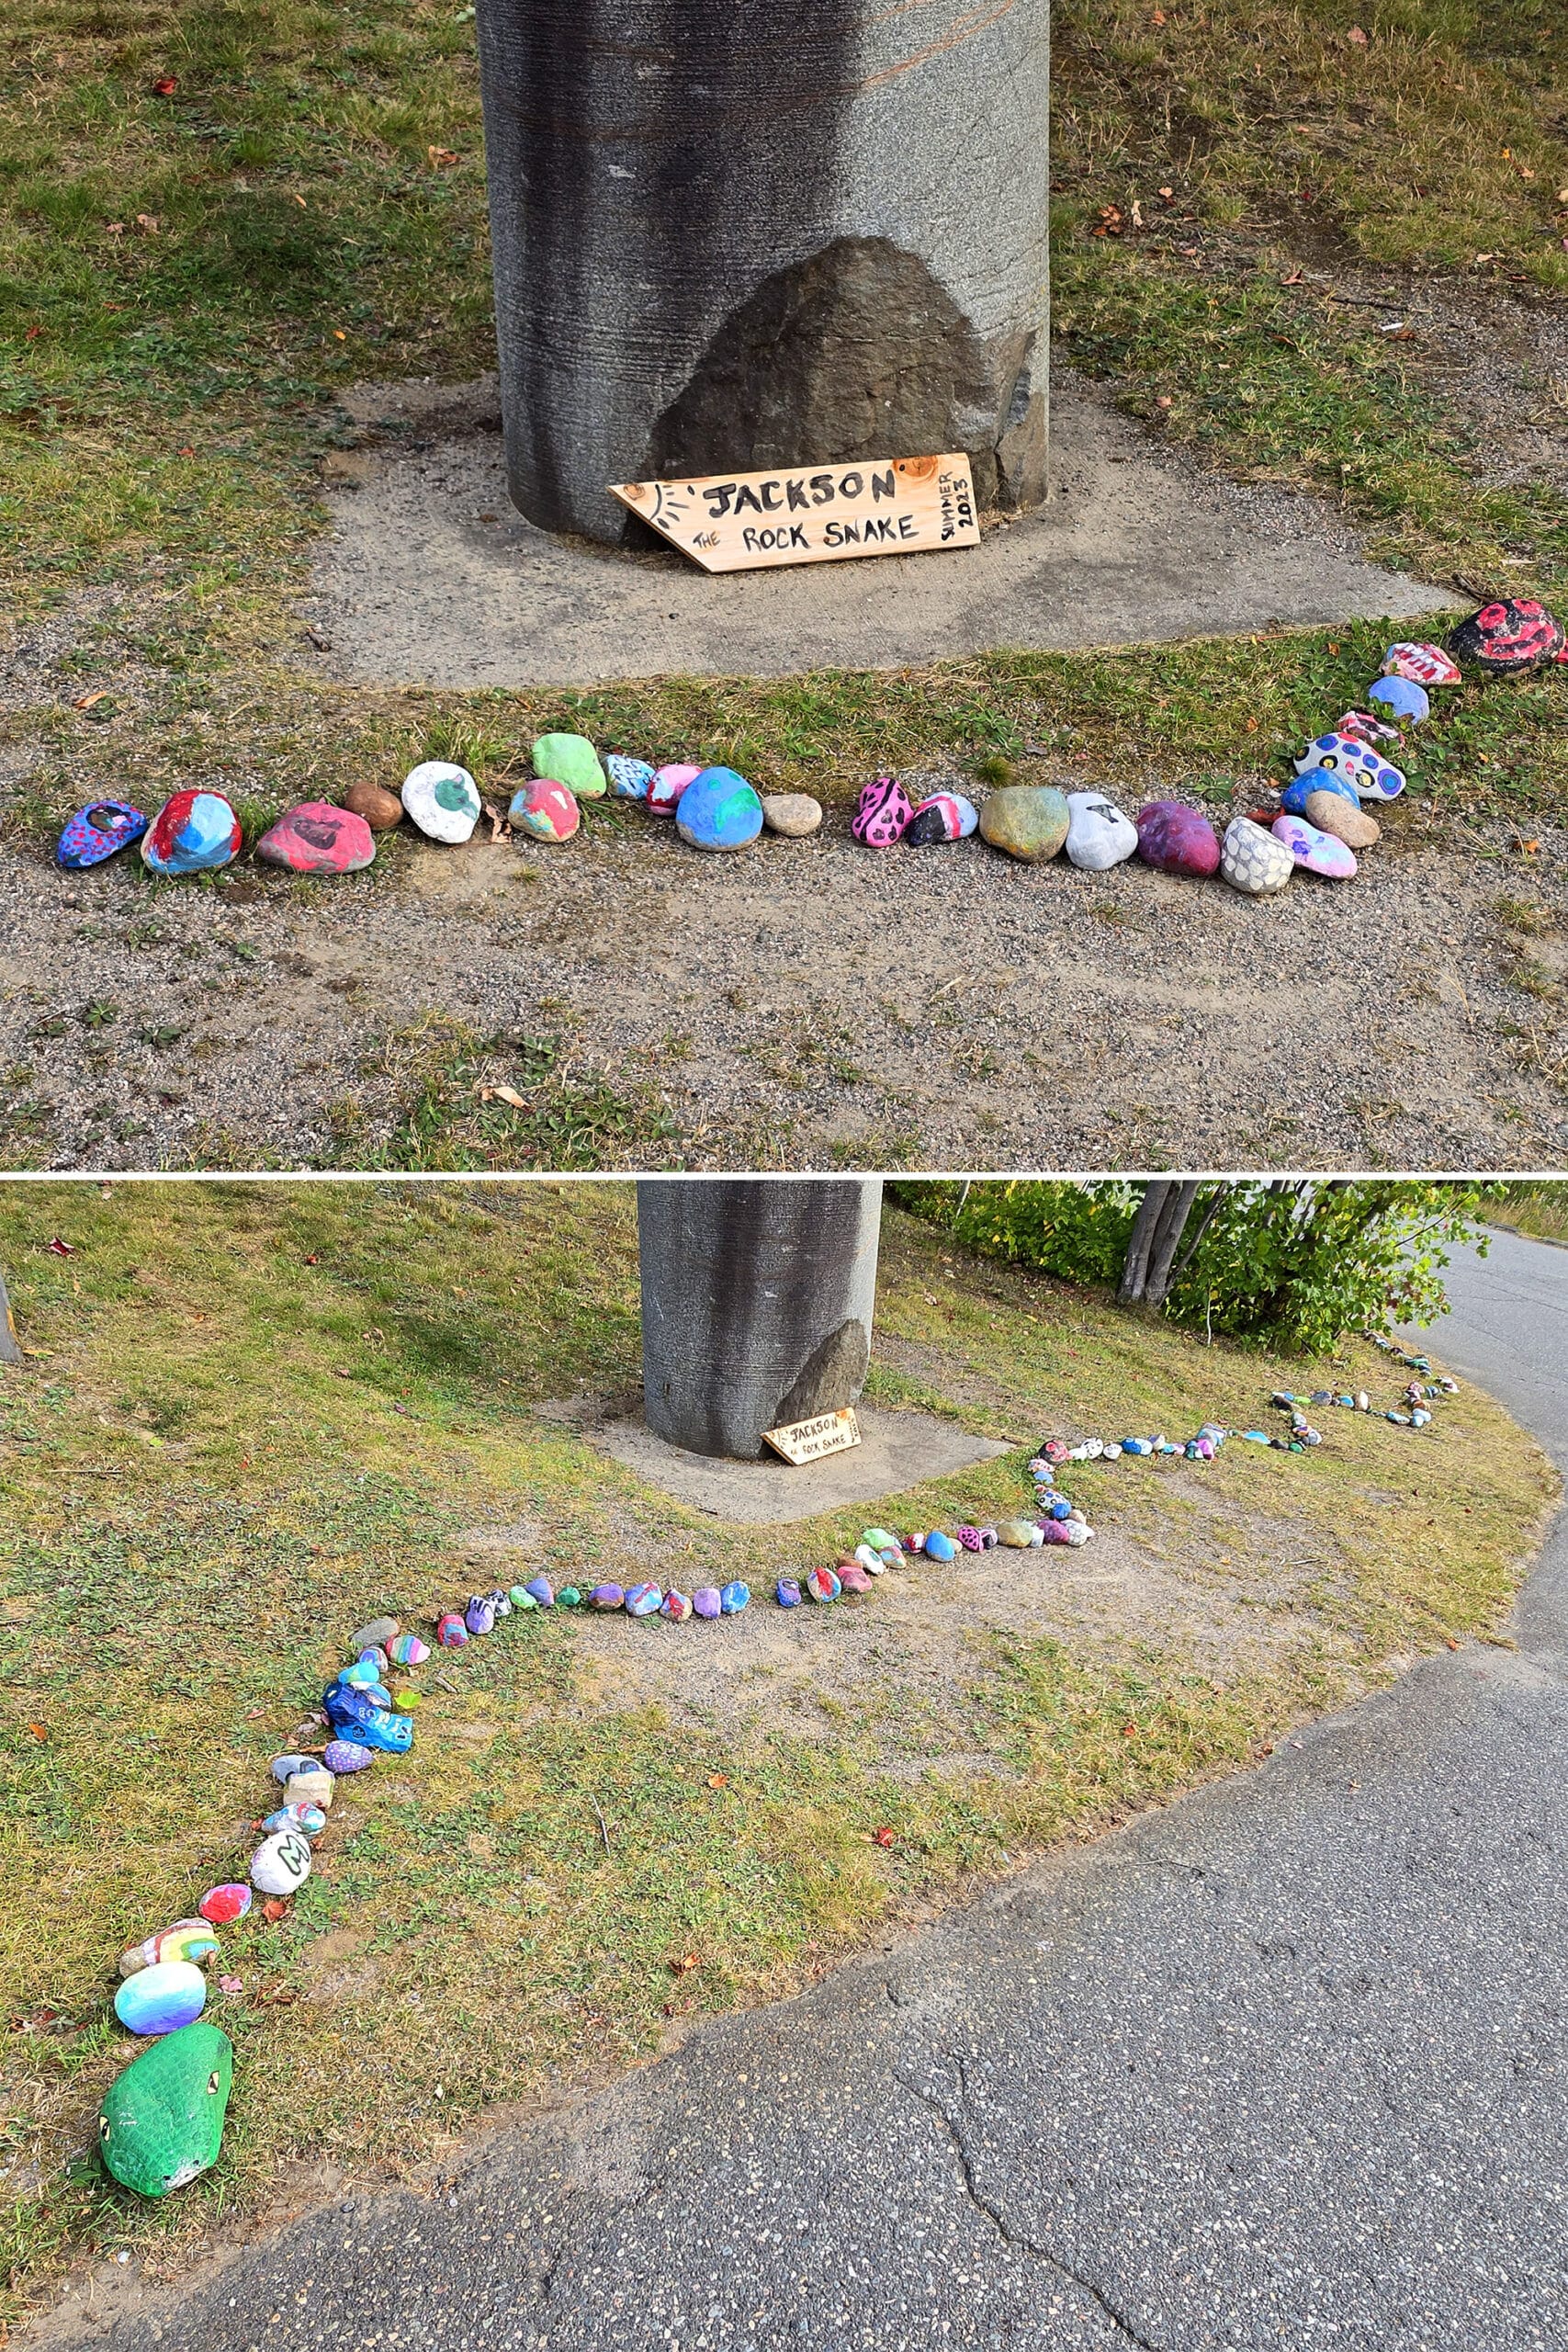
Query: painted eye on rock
[[213, 2085], [103, 2127]]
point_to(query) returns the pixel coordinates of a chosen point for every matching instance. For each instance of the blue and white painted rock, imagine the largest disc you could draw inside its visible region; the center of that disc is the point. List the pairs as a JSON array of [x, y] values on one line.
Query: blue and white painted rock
[[316, 838], [1402, 698], [734, 1597], [161, 1999], [1319, 853], [643, 1599], [1099, 835], [719, 810], [362, 1675], [546, 811], [1252, 861], [708, 1601], [822, 1584], [1426, 665], [787, 1592], [280, 1865], [501, 1602], [347, 1756], [870, 1558], [793, 815], [542, 1591], [944, 816], [97, 832], [1361, 766], [1308, 782], [676, 1606], [607, 1596], [1178, 840], [478, 1615], [378, 1659], [940, 1546], [450, 1632], [307, 1819], [882, 814], [669, 784], [628, 778], [283, 1767], [569, 759], [192, 833], [442, 800], [1076, 1531]]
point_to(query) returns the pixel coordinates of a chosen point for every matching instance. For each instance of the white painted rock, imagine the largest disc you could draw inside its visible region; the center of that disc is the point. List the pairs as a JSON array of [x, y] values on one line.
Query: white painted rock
[[1253, 861], [442, 800], [1099, 835], [794, 814], [280, 1865]]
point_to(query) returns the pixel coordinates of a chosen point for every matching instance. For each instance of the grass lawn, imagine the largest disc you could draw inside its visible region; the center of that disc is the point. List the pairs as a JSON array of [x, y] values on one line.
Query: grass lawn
[[1538, 1209], [251, 1416]]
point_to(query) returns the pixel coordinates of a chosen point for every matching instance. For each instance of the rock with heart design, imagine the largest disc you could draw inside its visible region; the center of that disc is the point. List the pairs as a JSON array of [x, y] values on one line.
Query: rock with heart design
[[569, 759], [545, 810], [193, 832], [316, 838], [1099, 835], [883, 813], [943, 816], [443, 799], [1319, 853], [1177, 839], [1028, 821], [97, 832], [1252, 861], [407, 1649]]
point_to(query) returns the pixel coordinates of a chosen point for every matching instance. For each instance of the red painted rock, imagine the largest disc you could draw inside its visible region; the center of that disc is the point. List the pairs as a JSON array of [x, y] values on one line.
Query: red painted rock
[[1177, 839], [316, 838]]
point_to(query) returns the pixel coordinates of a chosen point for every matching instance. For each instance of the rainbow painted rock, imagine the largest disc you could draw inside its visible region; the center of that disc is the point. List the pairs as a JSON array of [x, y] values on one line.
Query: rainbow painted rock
[[161, 2124], [569, 759], [944, 816], [1363, 767], [629, 779], [192, 833], [940, 1546], [281, 1865], [676, 1606], [540, 1592], [191, 1939], [1318, 853], [1252, 861], [822, 1584], [1311, 783], [883, 813], [607, 1596], [223, 1904], [450, 1632], [1426, 665], [97, 832], [162, 1999], [316, 838], [408, 1650], [1178, 840], [734, 1597], [707, 1601], [643, 1599], [346, 1756], [719, 810], [669, 784], [1099, 835], [480, 1614], [547, 812], [443, 799], [787, 1592], [1028, 821], [1402, 698], [1513, 633]]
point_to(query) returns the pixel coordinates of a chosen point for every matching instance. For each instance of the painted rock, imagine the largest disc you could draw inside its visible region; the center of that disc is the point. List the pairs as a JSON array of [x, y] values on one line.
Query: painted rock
[[643, 1599], [1313, 783], [787, 1592], [376, 1658], [940, 1546], [314, 1786], [1346, 819], [161, 2123], [223, 1904], [307, 1819], [540, 1588], [545, 810], [478, 1615], [707, 1600], [569, 759], [719, 810], [1099, 835], [669, 784], [362, 1675], [676, 1606], [407, 1649], [1319, 853], [1361, 766], [1426, 665], [191, 1939], [501, 1602], [1028, 821], [192, 833], [734, 1597], [1253, 861], [946, 817], [1076, 1531], [283, 1767], [162, 1999], [916, 1542], [868, 1558], [1053, 1532], [280, 1865], [404, 1702], [347, 1756], [881, 1539], [852, 1576], [1059, 1508], [629, 779], [1014, 1533], [822, 1584], [380, 809], [97, 832], [793, 814], [606, 1596], [378, 1634], [450, 1631], [442, 800], [1514, 633], [570, 1596], [1366, 727], [1403, 698], [1178, 840], [316, 838], [883, 813], [522, 1597], [393, 1735]]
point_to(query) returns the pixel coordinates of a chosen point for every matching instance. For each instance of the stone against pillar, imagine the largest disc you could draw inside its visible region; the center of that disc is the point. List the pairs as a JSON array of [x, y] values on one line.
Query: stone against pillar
[[731, 233], [757, 1299]]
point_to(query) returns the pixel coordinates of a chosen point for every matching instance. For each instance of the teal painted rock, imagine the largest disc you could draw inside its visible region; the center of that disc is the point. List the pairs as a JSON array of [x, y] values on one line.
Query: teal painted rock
[[1028, 821], [719, 810], [570, 1596], [442, 800], [161, 2123], [162, 1999], [572, 761]]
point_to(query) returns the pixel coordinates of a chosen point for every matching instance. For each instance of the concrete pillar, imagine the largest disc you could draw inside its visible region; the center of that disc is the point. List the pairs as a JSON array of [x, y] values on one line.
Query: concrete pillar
[[732, 234], [757, 1299]]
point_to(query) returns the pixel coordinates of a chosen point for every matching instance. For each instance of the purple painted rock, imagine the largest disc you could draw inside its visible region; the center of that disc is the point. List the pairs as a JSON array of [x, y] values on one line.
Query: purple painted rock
[[667, 786], [607, 1596], [451, 1631], [97, 832], [1054, 1531], [822, 1584], [541, 1592], [706, 1600], [884, 814], [1320, 852], [1178, 840], [676, 1606], [316, 838], [852, 1577], [642, 1600], [347, 1756], [946, 817], [787, 1592], [480, 1614]]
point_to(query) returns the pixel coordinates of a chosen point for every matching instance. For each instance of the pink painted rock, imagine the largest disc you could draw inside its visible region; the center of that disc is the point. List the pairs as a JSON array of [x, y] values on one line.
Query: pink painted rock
[[667, 786], [316, 838], [884, 814], [852, 1576], [1177, 839], [1319, 852]]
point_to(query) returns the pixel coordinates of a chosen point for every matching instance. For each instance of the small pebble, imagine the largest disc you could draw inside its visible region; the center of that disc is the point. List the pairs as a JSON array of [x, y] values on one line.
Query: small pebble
[[792, 814]]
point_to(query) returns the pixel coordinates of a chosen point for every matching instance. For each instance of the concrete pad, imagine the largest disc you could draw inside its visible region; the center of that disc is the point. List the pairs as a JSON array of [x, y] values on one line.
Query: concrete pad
[[429, 576], [898, 1450]]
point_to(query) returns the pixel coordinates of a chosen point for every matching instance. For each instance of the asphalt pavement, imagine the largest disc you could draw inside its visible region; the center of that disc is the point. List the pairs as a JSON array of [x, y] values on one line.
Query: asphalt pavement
[[1282, 2064]]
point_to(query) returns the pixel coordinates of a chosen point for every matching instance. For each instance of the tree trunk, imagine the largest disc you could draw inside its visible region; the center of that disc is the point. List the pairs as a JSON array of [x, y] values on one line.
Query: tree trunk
[[1153, 1243], [757, 1299], [738, 233]]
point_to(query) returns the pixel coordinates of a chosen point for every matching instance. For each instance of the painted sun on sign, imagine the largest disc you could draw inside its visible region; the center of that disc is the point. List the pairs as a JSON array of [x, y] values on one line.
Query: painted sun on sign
[[812, 514]]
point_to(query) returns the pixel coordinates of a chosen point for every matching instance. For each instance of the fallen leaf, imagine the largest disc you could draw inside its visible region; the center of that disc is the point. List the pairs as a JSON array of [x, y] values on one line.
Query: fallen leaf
[[300, 202], [1159, 16], [1129, 1731], [338, 335], [58, 1248], [1294, 280], [1452, 1642], [440, 156], [1357, 36], [1252, 726], [32, 334], [882, 1836], [718, 1779], [39, 1731], [684, 1966], [272, 1909], [509, 1094], [1168, 194], [342, 1372], [86, 702], [165, 86], [114, 228], [232, 1984], [147, 223], [1162, 400], [314, 1259]]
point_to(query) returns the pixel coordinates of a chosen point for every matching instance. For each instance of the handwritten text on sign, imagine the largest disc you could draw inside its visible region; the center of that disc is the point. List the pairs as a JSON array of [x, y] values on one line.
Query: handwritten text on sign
[[743, 522], [809, 1441]]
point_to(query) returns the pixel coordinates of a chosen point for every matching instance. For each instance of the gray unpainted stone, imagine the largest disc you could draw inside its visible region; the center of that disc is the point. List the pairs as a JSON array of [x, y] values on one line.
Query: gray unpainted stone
[[896, 1452], [757, 1300], [731, 233]]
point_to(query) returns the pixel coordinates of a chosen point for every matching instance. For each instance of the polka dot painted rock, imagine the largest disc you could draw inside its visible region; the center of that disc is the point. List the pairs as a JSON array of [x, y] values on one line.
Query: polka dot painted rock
[[940, 1546], [1403, 699], [1318, 853], [381, 810], [1313, 784], [822, 1584], [787, 1592], [629, 779], [97, 832], [734, 1597], [1028, 821], [1345, 818], [161, 2124], [1359, 763], [643, 1599], [606, 1596], [162, 1999], [223, 1904], [569, 759], [546, 811], [669, 784], [316, 838], [1099, 835], [719, 810], [707, 1601], [1252, 861], [280, 1865], [946, 817], [1178, 840], [191, 833], [969, 1539], [347, 1756], [1426, 665], [1514, 633], [883, 813], [442, 800], [676, 1606], [792, 814]]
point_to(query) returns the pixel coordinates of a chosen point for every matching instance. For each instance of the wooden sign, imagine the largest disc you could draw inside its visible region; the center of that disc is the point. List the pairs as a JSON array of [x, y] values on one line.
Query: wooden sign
[[744, 522], [809, 1441]]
